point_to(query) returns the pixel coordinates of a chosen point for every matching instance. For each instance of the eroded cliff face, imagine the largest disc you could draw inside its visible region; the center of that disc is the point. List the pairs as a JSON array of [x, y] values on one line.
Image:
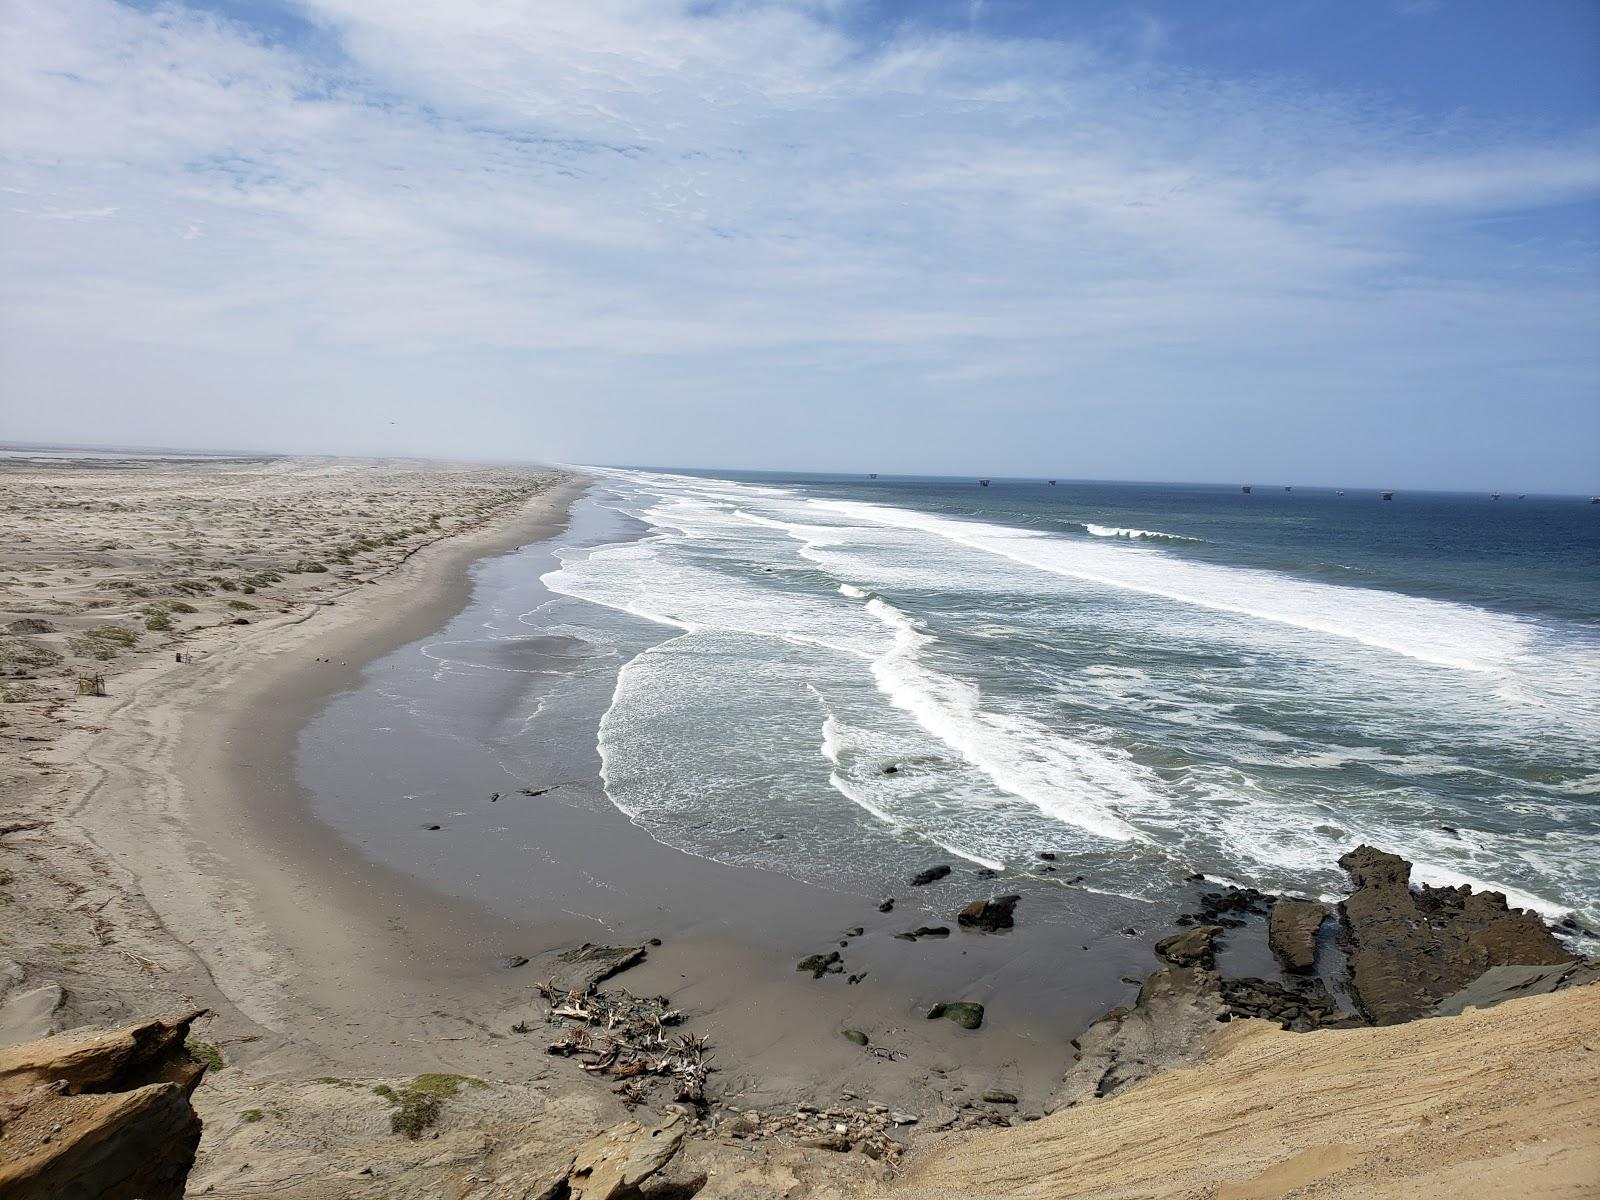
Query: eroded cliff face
[[100, 1114]]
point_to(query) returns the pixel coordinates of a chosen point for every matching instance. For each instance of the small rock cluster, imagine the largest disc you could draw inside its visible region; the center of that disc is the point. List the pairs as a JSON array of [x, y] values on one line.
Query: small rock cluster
[[840, 1128]]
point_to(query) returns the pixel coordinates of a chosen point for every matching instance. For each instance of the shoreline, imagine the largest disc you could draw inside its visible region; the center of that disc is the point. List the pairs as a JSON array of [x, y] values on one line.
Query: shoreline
[[276, 911]]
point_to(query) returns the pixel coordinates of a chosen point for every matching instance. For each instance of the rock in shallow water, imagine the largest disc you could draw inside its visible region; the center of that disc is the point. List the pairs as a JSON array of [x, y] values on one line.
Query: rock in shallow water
[[1292, 933], [1409, 949], [931, 875]]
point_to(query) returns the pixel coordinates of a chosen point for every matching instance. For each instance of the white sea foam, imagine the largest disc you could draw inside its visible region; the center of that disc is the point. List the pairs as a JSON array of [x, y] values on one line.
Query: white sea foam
[[1117, 531], [1439, 632], [1072, 782], [1131, 698]]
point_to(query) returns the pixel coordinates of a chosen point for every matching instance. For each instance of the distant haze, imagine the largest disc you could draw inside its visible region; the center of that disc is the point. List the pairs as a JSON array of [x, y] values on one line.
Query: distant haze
[[1338, 243]]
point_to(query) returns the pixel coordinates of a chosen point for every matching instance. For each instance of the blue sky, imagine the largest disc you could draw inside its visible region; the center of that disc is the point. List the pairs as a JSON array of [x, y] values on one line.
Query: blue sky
[[1349, 243]]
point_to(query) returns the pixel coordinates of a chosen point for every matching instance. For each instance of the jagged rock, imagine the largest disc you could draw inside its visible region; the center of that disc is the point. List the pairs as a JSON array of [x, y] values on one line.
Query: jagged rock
[[887, 905], [990, 916], [1175, 1008], [103, 1114], [1292, 933], [1192, 948], [997, 1096], [616, 1162], [589, 965], [105, 1061], [931, 875], [1408, 949]]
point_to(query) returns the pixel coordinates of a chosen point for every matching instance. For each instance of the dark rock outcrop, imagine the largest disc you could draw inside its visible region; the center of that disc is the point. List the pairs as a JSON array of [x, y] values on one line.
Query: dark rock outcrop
[[1408, 949], [1192, 948], [100, 1114], [1306, 1005], [1292, 933], [931, 875], [989, 916]]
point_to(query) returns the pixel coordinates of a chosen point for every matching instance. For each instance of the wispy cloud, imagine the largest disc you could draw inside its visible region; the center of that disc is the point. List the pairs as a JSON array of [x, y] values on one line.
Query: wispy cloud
[[683, 193]]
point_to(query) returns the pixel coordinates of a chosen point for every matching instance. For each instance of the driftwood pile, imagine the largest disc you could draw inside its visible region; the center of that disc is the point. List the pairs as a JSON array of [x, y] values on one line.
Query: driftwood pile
[[627, 1038]]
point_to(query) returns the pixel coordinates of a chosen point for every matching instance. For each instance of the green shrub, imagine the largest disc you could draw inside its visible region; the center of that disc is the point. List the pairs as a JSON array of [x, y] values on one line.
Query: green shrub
[[206, 1053], [241, 604], [181, 606], [104, 642], [21, 653], [418, 1103], [310, 567], [158, 622]]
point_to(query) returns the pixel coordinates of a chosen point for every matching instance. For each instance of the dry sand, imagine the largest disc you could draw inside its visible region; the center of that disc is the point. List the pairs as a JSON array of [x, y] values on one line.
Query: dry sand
[[1504, 1102]]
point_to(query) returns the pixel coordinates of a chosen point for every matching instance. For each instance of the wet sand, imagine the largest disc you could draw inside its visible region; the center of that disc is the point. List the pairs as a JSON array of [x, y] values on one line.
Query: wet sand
[[388, 747]]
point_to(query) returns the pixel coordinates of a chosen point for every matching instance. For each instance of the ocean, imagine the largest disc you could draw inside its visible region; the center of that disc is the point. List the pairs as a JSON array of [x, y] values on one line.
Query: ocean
[[838, 678]]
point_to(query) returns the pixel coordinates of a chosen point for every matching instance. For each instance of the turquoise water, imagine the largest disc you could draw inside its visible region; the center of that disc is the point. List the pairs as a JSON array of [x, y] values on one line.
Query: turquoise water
[[1146, 680]]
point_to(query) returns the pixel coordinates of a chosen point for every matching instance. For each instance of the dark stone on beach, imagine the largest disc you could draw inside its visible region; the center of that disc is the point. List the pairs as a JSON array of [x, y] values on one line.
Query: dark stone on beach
[[886, 905], [989, 916], [493, 796], [1300, 1006], [514, 960], [985, 873], [857, 931], [1048, 855], [1407, 950], [856, 1036], [1192, 948], [1195, 878], [821, 964], [907, 936], [996, 1096], [1130, 931], [590, 965], [892, 769], [1047, 870], [931, 875], [239, 621], [1292, 933], [926, 931], [1451, 830], [653, 942], [433, 828], [963, 1012]]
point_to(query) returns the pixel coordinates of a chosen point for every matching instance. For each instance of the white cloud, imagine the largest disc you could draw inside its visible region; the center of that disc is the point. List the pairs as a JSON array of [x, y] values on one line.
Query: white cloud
[[682, 192]]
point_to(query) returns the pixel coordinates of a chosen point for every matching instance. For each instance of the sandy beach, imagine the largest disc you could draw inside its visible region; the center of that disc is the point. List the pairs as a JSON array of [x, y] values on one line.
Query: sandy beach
[[163, 851]]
